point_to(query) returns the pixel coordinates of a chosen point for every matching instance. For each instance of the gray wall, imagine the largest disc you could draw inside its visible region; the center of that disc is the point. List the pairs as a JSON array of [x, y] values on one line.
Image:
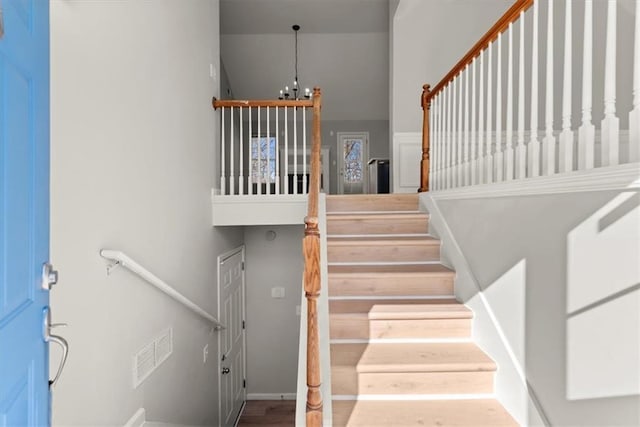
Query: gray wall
[[560, 274], [378, 140], [273, 326], [132, 167]]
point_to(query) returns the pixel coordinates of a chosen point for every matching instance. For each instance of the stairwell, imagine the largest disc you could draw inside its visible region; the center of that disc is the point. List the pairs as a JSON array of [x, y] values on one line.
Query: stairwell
[[401, 347]]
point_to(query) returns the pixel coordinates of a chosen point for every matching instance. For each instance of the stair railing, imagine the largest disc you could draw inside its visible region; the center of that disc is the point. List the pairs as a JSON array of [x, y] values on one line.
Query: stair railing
[[263, 146], [311, 253], [465, 141]]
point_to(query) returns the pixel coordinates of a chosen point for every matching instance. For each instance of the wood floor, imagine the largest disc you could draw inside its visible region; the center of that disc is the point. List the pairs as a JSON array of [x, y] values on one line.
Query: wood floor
[[268, 413]]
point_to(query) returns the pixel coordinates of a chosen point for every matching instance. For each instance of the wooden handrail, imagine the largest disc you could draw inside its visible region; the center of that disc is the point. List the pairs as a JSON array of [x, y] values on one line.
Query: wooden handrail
[[311, 252], [427, 93], [502, 24], [220, 103]]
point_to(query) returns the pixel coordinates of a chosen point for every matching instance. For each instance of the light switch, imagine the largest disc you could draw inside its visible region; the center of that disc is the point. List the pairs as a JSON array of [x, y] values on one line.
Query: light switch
[[277, 292]]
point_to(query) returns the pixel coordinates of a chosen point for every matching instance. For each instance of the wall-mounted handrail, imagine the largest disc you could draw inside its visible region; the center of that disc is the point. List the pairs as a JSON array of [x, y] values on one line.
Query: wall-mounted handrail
[[311, 253], [122, 259]]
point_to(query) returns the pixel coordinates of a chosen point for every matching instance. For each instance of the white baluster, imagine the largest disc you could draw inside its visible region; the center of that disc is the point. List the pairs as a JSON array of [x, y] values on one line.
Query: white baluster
[[521, 149], [250, 154], [259, 166], [610, 123], [277, 152], [454, 136], [433, 156], [587, 131], [499, 157], [474, 126], [459, 139], [223, 183], [480, 162], [268, 165], [439, 140], [549, 141], [509, 137], [467, 125], [240, 156], [634, 115], [565, 163], [286, 151], [534, 143], [449, 137], [232, 175], [488, 158], [304, 151], [295, 151]]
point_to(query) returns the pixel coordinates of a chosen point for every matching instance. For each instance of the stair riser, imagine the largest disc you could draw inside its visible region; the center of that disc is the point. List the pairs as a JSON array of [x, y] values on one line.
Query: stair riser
[[375, 203], [386, 253], [336, 225], [347, 381], [350, 328], [383, 286]]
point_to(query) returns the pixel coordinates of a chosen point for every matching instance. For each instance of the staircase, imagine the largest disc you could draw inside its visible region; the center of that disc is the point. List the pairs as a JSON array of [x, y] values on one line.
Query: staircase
[[401, 349]]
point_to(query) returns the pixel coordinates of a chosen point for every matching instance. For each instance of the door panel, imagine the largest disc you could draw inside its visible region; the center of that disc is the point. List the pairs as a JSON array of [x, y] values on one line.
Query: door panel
[[232, 357], [24, 211]]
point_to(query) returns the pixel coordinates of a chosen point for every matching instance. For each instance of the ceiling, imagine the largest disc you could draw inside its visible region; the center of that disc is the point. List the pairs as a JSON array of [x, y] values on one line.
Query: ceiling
[[343, 48]]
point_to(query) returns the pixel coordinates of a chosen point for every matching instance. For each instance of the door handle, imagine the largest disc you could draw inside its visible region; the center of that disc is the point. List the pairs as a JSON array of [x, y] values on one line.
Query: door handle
[[225, 371], [48, 337]]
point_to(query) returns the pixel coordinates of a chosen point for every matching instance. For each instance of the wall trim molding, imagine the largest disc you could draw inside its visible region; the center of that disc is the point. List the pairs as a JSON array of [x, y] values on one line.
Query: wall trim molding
[[138, 419], [619, 177], [405, 166], [271, 396]]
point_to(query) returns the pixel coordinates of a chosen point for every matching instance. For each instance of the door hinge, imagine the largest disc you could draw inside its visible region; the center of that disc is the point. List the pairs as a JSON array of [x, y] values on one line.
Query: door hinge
[[243, 325], [242, 265], [244, 383]]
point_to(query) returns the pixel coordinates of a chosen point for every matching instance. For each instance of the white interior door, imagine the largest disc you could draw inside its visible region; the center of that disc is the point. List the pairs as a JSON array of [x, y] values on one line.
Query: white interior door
[[353, 155], [231, 340]]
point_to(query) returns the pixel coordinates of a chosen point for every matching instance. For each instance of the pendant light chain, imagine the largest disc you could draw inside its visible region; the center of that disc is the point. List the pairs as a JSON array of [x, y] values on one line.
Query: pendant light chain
[[284, 94]]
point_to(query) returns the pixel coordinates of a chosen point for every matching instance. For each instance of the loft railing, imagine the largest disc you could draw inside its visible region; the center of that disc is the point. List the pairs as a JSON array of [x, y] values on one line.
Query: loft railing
[[474, 134], [311, 252], [263, 147]]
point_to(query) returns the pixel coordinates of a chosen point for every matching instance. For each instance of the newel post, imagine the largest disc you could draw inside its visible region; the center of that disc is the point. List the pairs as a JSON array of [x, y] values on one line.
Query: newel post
[[424, 163], [311, 253]]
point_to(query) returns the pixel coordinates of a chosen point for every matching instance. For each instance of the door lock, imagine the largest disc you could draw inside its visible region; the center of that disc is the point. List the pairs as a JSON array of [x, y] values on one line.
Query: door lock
[[225, 371], [49, 276]]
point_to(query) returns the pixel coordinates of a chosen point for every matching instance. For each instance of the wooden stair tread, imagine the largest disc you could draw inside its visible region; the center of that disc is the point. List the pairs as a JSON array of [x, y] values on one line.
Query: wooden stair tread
[[471, 412], [411, 357], [381, 239], [377, 202], [399, 309], [364, 215], [390, 269]]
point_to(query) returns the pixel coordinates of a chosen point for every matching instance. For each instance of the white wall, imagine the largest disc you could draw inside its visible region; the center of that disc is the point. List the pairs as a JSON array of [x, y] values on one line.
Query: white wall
[[273, 327], [428, 38], [132, 167], [559, 274]]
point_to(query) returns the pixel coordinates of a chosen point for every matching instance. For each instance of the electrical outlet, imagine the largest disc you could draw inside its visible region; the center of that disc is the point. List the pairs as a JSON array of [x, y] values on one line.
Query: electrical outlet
[[205, 353]]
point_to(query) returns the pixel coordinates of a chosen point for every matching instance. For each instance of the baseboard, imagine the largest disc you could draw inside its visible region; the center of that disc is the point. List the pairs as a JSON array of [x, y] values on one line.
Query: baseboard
[[271, 396], [137, 420]]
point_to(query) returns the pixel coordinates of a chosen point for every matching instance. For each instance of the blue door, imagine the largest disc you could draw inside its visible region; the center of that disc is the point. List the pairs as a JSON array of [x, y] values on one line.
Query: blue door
[[24, 212]]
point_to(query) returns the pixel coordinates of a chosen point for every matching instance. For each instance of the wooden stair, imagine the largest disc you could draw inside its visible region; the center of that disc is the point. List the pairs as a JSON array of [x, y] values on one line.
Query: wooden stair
[[401, 348]]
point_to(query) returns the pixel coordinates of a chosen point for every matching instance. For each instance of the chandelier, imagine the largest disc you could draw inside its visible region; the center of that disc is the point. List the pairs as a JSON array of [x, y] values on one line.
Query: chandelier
[[285, 93]]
